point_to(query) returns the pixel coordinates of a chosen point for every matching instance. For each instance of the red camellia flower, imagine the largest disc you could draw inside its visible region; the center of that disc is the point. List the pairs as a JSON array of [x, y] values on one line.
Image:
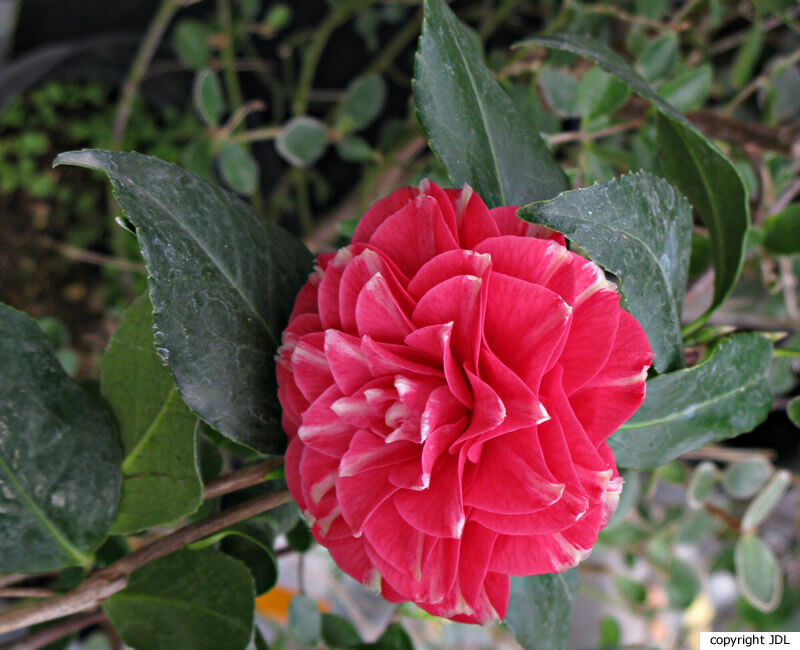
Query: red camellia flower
[[448, 382]]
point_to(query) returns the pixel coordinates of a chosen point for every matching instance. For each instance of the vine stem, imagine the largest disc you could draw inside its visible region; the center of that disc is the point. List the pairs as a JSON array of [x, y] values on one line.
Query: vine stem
[[108, 581], [240, 479], [41, 638], [147, 49]]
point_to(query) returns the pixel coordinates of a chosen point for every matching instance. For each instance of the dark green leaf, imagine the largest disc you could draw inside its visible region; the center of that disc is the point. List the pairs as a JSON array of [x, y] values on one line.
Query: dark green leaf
[[793, 411], [59, 457], [690, 89], [160, 477], [302, 141], [719, 398], [353, 148], [363, 102], [189, 600], [682, 584], [659, 58], [238, 167], [761, 507], [639, 228], [299, 537], [689, 160], [782, 231], [222, 282], [540, 609], [305, 620], [394, 637], [560, 89], [744, 478], [338, 632], [747, 56], [758, 573], [190, 40], [251, 542], [471, 124], [526, 100], [630, 590], [600, 93], [207, 97]]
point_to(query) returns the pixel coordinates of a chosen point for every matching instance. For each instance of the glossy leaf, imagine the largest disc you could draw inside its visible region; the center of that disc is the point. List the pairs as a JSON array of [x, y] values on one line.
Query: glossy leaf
[[222, 282], [540, 609], [59, 457], [302, 141], [701, 484], [722, 396], [639, 228], [338, 632], [745, 477], [471, 124], [762, 506], [238, 167], [189, 600], [363, 102], [207, 97], [758, 573], [688, 159], [305, 620], [161, 483]]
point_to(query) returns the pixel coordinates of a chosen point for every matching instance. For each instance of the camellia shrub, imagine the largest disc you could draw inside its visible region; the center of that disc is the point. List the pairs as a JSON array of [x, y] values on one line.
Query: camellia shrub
[[447, 401]]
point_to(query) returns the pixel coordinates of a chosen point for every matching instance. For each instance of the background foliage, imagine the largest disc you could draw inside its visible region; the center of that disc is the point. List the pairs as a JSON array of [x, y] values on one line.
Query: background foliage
[[308, 113]]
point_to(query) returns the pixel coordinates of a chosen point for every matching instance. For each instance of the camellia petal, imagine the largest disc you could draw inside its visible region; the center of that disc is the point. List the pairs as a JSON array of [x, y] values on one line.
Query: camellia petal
[[448, 382]]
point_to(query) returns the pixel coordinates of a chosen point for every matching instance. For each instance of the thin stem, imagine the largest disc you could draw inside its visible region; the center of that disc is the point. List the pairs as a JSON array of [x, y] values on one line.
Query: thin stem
[[240, 479], [91, 257], [256, 135], [106, 582], [496, 18], [396, 45], [340, 13], [226, 54], [623, 15], [155, 32], [26, 592], [761, 79], [727, 455], [588, 136], [44, 637]]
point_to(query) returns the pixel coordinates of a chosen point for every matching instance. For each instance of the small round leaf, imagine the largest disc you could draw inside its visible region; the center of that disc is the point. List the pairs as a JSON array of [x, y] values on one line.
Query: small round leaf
[[190, 40], [365, 99], [757, 573], [793, 411], [305, 620], [760, 507], [701, 484], [239, 169], [207, 97], [744, 478], [353, 149], [302, 141]]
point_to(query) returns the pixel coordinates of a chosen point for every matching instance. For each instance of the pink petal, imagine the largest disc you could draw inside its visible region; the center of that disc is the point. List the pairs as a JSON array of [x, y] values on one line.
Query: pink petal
[[537, 261], [350, 557], [414, 390], [474, 221], [476, 551], [458, 300], [394, 544], [379, 212], [291, 468], [618, 390], [523, 555], [328, 293], [510, 224], [310, 367], [390, 359], [414, 234], [444, 197], [322, 429], [440, 568], [378, 314], [346, 361], [485, 487], [368, 451], [435, 341], [591, 338], [361, 495], [439, 440], [449, 264], [291, 399], [319, 473], [438, 510], [525, 325]]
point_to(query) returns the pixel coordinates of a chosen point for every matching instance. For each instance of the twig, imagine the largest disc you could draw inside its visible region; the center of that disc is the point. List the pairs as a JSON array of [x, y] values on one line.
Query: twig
[[785, 199], [623, 15], [44, 637], [588, 136], [760, 80], [14, 578], [26, 592], [733, 40], [91, 257], [240, 479], [734, 523], [788, 286], [106, 582], [727, 455], [155, 32]]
